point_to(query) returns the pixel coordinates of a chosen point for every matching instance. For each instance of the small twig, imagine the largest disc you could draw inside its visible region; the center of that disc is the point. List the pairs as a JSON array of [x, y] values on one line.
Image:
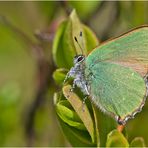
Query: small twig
[[44, 80]]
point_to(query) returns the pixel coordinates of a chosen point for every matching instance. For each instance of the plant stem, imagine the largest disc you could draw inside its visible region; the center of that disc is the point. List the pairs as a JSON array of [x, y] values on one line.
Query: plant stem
[[120, 128]]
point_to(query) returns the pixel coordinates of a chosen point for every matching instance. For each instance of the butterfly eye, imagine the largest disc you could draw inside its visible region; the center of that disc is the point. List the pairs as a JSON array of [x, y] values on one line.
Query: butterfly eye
[[80, 59]]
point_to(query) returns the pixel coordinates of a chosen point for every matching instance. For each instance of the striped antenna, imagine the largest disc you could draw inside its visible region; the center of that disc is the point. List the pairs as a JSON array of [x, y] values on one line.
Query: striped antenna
[[81, 47], [81, 38]]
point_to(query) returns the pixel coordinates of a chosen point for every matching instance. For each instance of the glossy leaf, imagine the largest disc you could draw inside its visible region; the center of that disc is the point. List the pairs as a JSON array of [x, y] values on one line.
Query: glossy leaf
[[59, 75], [83, 113], [91, 39], [57, 48], [104, 124], [116, 139], [77, 138], [71, 124], [68, 115], [138, 126], [65, 47]]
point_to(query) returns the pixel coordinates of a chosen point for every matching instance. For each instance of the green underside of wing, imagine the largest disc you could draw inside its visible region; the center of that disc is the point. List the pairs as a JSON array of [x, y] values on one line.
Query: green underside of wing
[[130, 50], [116, 89]]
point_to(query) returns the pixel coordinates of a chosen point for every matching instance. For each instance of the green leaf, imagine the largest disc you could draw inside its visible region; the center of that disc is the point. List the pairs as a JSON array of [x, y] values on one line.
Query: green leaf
[[59, 75], [138, 126], [68, 46], [77, 138], [77, 27], [65, 47], [83, 113], [137, 142], [88, 40], [91, 39], [104, 124], [116, 139], [68, 115], [69, 121], [57, 49]]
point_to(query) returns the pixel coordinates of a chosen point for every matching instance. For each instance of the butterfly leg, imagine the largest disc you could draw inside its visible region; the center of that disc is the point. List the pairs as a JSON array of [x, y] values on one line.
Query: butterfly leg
[[83, 103], [76, 82], [86, 89], [87, 94], [84, 99], [71, 73], [74, 85], [67, 76]]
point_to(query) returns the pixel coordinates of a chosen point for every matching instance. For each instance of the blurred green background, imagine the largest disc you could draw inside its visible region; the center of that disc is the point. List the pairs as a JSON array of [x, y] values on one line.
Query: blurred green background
[[27, 31]]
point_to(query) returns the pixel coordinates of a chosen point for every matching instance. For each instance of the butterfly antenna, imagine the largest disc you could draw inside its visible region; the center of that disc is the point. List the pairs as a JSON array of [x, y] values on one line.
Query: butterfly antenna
[[79, 44], [82, 41]]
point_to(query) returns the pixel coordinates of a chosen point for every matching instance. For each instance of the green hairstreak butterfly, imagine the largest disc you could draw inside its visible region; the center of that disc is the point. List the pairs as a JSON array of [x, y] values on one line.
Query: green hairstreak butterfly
[[115, 74]]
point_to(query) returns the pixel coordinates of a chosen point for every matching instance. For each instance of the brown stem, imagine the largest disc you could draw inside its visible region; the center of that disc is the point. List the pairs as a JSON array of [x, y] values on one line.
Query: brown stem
[[120, 128], [45, 70], [44, 79]]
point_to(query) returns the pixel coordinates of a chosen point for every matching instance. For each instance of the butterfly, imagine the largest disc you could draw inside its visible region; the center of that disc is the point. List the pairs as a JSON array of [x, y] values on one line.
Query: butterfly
[[115, 74]]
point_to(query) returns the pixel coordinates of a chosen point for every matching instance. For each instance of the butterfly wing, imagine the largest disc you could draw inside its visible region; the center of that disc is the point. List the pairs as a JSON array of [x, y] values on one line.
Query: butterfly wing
[[129, 50], [115, 72], [117, 90]]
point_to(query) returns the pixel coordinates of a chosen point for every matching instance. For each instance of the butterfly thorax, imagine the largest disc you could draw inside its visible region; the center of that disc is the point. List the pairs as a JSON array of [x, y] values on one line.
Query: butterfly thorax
[[78, 73]]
